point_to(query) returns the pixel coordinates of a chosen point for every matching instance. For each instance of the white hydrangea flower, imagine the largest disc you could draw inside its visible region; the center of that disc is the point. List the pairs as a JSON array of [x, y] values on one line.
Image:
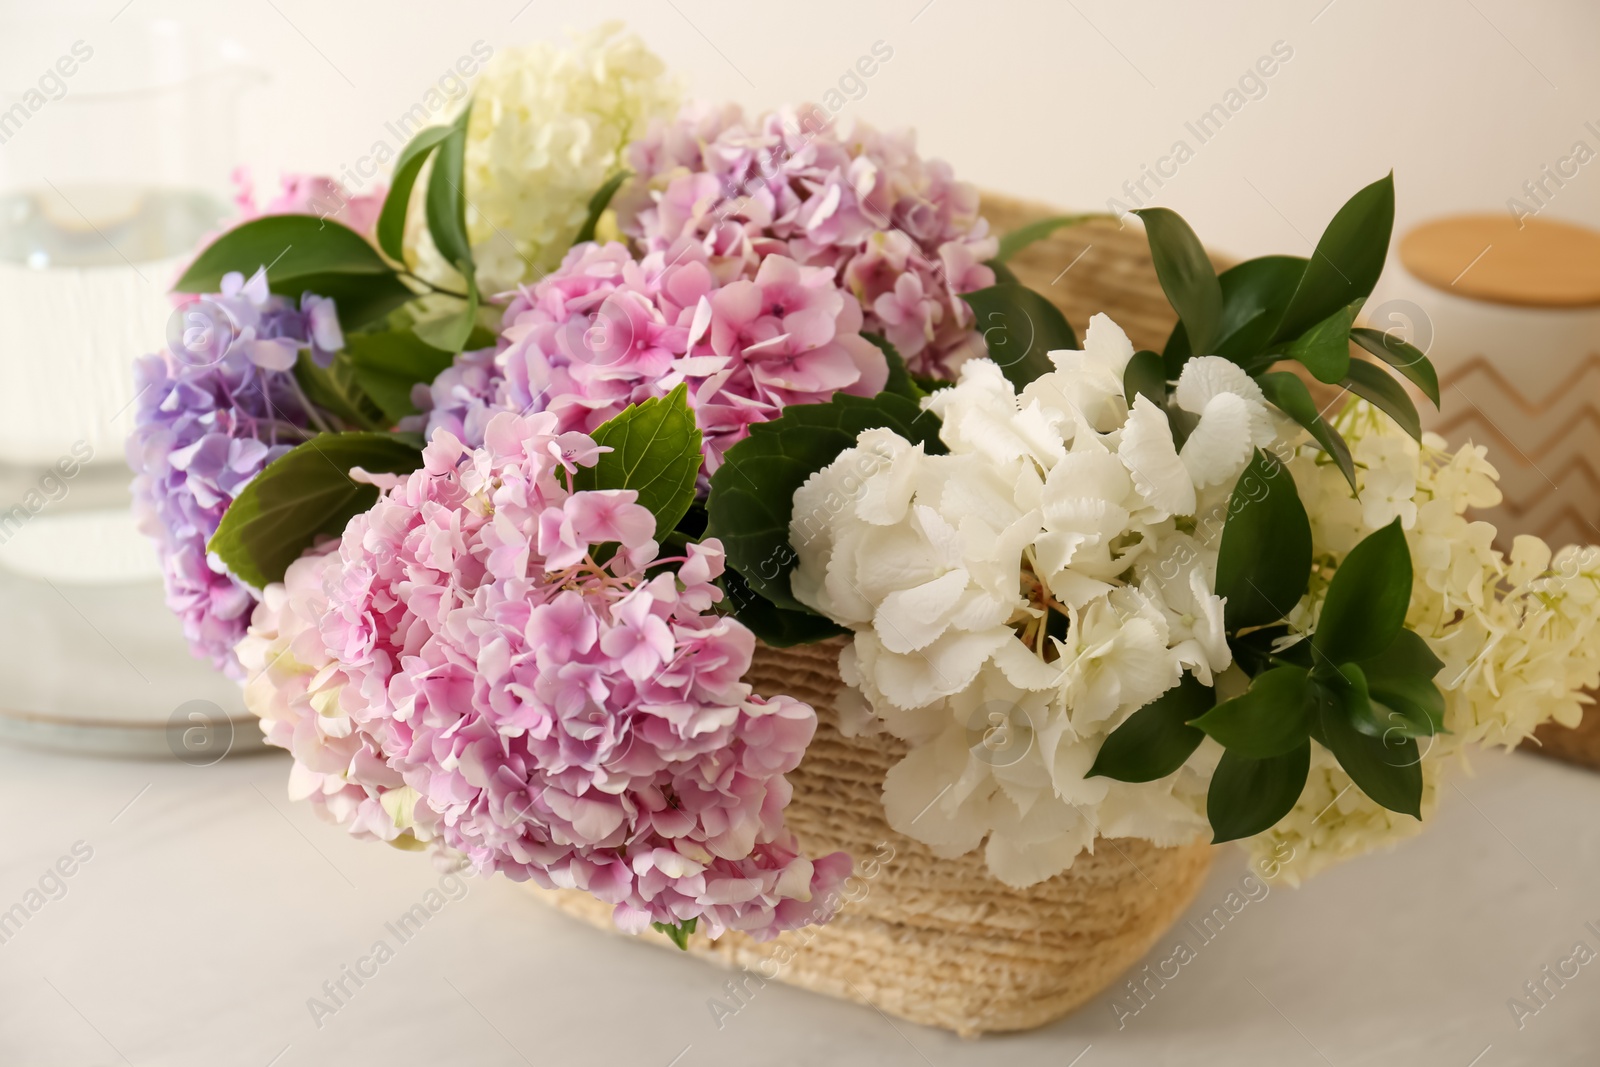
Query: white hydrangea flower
[[548, 127], [1015, 600], [1520, 638], [1234, 419]]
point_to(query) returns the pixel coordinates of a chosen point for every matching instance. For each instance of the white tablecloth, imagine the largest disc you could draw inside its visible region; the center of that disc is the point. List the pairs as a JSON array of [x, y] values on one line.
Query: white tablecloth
[[211, 910]]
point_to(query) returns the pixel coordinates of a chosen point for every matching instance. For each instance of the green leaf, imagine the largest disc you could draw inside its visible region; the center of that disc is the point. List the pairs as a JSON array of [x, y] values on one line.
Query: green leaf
[[1023, 236], [450, 332], [1257, 651], [1388, 769], [303, 253], [302, 495], [1377, 388], [1146, 375], [446, 200], [1002, 273], [1020, 327], [1255, 295], [1248, 795], [1349, 684], [1157, 739], [1347, 262], [1325, 348], [361, 299], [655, 451], [387, 364], [1272, 717], [677, 932], [1408, 656], [334, 390], [900, 381], [1400, 678], [775, 626], [1403, 357], [392, 219], [1367, 600], [752, 493], [1264, 561], [1186, 275], [598, 204], [1290, 395]]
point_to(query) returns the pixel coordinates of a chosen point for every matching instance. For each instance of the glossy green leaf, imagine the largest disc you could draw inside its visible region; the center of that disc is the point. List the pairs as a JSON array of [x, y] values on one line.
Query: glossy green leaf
[[775, 626], [1367, 600], [1264, 561], [1290, 395], [1248, 795], [303, 253], [752, 493], [446, 201], [1157, 739], [1347, 261], [1186, 275], [655, 451], [1398, 716], [1349, 683], [1268, 719], [450, 332], [1255, 294], [598, 204], [900, 381], [1020, 328], [1374, 385], [335, 391], [1404, 357], [1324, 349], [1002, 273], [1407, 656], [1258, 650], [388, 364], [1146, 375], [1401, 679], [304, 494], [1023, 236], [392, 219], [1387, 768]]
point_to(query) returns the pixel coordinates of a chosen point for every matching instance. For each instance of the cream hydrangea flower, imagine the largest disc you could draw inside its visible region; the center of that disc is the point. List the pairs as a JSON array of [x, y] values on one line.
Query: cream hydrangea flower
[[1015, 600], [548, 127], [1520, 637]]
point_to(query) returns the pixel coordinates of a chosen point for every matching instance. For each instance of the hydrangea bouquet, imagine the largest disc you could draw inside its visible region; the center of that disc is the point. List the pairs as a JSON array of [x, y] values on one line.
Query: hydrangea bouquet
[[491, 491]]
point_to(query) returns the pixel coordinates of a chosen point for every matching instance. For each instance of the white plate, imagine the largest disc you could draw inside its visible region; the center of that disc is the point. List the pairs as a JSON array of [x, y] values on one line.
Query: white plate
[[104, 670]]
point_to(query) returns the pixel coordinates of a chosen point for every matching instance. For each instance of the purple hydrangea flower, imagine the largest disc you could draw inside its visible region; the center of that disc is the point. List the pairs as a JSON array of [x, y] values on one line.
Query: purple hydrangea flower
[[212, 410]]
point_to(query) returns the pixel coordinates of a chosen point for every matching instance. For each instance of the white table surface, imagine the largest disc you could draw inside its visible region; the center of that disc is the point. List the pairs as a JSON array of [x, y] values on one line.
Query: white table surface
[[213, 908]]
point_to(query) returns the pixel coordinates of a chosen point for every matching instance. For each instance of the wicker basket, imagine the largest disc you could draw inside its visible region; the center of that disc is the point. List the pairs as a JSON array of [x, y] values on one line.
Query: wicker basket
[[940, 941]]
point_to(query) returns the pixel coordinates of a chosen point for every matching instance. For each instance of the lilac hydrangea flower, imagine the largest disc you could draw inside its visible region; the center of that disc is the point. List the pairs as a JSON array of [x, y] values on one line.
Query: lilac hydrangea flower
[[211, 411]]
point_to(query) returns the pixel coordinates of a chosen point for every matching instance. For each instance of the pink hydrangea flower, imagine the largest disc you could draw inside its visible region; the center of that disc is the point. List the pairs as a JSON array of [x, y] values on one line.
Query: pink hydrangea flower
[[459, 668], [845, 197], [605, 331], [309, 194]]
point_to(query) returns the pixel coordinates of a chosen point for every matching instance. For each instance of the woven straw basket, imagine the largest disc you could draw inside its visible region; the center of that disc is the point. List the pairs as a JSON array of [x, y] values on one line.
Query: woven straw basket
[[940, 941]]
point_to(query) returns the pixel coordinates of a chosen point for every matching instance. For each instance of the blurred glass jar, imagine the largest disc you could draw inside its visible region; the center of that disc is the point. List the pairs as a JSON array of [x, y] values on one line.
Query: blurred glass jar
[[117, 140], [114, 163]]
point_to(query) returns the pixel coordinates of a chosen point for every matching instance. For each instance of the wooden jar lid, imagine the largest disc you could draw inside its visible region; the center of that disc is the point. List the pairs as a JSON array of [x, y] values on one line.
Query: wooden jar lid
[[1536, 263]]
